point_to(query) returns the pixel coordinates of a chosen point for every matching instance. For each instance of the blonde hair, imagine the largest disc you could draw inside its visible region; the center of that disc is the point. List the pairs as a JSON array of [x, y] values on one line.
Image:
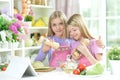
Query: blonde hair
[[54, 15], [77, 20]]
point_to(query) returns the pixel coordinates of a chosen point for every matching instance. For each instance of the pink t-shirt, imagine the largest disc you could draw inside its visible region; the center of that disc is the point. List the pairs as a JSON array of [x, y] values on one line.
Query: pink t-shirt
[[93, 48]]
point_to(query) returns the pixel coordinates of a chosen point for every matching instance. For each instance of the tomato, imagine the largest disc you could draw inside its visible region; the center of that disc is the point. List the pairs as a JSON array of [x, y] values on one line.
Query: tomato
[[3, 68], [81, 67], [76, 71]]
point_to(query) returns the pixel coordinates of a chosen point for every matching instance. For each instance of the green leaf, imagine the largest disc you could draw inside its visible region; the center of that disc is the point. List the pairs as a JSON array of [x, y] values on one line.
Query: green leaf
[[83, 72], [7, 38], [95, 69]]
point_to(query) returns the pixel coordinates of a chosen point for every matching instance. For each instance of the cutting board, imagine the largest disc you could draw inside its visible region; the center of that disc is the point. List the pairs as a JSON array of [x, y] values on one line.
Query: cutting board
[[45, 69]]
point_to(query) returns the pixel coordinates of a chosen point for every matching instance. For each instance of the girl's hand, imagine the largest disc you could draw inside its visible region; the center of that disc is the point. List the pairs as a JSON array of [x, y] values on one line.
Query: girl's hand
[[75, 55], [83, 49], [100, 43], [52, 43], [46, 48]]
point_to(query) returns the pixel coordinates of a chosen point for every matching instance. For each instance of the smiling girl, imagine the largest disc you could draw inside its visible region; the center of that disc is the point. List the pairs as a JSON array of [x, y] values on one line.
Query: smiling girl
[[83, 42], [56, 33]]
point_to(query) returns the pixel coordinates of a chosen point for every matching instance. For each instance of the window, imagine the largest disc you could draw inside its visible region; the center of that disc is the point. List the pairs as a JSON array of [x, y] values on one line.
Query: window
[[113, 22], [102, 17]]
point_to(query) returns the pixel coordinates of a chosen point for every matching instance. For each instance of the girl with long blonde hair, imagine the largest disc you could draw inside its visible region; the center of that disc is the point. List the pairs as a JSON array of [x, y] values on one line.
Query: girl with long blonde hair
[[89, 51], [56, 33]]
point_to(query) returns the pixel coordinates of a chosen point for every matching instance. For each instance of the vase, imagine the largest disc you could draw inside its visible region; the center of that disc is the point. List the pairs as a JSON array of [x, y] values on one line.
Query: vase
[[4, 45], [29, 23], [115, 64]]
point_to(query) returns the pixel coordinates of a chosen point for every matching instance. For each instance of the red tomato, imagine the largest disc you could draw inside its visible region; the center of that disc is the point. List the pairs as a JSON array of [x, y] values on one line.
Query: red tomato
[[76, 71], [4, 68], [81, 67]]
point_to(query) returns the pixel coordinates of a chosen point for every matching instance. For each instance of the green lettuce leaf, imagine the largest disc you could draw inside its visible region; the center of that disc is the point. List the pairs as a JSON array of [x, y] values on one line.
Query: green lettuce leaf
[[95, 69]]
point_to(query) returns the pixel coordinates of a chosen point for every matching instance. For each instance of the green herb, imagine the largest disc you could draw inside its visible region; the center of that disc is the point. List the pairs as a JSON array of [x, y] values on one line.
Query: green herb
[[114, 53], [28, 18]]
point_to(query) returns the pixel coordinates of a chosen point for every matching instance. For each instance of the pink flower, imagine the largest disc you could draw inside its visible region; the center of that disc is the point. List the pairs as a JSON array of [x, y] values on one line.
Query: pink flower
[[22, 36], [13, 29], [18, 26], [18, 16], [22, 23]]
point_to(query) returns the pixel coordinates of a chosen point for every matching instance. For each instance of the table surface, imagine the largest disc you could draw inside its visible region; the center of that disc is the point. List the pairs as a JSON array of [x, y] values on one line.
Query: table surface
[[58, 74], [61, 75]]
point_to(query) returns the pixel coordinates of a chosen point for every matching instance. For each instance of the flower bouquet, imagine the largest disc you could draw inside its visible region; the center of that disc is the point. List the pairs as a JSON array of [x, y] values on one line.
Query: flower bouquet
[[12, 29]]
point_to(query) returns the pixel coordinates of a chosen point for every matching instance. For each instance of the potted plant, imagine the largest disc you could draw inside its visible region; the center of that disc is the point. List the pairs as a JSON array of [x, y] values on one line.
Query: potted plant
[[114, 59], [28, 18], [114, 53]]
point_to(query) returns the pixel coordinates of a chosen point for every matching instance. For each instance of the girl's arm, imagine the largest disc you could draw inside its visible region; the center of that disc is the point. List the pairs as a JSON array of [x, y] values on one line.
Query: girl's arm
[[44, 50], [94, 54], [84, 50], [98, 56]]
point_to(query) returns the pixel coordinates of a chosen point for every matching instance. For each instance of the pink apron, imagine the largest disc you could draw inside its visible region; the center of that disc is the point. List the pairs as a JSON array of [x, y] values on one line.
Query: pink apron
[[59, 55]]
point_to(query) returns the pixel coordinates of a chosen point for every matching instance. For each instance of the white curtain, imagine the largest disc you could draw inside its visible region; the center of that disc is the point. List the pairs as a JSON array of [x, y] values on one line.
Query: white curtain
[[69, 7]]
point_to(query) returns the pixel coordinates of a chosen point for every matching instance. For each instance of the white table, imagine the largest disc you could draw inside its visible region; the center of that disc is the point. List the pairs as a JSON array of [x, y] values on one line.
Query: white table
[[61, 75]]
